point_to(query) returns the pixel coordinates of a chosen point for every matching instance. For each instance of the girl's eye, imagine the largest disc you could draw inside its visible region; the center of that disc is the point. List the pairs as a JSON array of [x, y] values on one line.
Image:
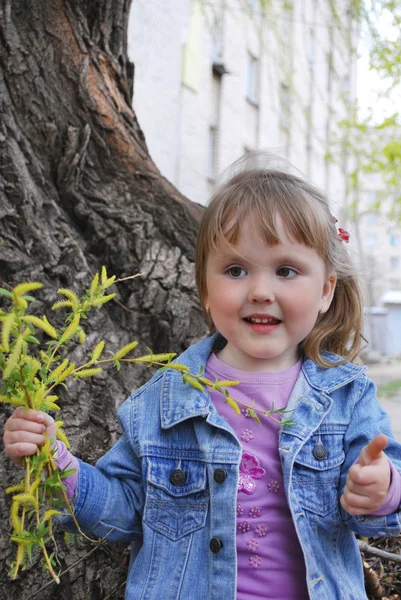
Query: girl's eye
[[286, 272], [236, 272]]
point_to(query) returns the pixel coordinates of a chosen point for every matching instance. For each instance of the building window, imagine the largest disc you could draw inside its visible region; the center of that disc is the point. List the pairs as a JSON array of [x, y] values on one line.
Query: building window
[[394, 240], [252, 79], [371, 218], [371, 239], [371, 197], [394, 262], [211, 157]]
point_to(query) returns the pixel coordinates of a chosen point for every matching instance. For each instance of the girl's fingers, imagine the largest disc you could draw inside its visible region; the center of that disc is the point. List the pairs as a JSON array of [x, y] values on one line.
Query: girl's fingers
[[19, 449], [356, 505], [28, 415], [362, 490], [17, 424], [18, 437]]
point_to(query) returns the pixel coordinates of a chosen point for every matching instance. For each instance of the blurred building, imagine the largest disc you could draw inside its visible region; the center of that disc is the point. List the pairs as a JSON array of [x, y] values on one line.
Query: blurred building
[[377, 240], [217, 78]]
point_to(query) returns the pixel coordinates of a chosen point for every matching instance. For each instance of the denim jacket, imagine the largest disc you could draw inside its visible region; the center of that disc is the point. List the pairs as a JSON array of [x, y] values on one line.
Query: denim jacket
[[169, 485]]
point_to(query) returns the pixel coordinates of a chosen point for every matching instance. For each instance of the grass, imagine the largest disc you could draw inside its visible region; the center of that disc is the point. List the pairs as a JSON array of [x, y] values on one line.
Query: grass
[[389, 389]]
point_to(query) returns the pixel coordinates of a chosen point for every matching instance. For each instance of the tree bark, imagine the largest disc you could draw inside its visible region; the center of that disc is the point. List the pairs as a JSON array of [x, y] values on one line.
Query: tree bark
[[78, 190]]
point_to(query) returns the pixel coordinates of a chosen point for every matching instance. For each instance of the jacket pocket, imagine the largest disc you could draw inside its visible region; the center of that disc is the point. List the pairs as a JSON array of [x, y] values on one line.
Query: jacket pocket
[[176, 506], [317, 470]]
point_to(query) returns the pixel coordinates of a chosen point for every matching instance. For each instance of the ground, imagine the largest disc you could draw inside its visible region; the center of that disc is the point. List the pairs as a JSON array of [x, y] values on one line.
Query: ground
[[387, 377]]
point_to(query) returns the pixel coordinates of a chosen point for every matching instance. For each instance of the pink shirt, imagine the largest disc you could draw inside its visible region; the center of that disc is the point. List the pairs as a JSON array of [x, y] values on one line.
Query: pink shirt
[[270, 560]]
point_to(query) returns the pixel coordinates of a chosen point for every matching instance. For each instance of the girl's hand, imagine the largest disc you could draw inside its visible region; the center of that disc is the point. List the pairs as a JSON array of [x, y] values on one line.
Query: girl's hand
[[368, 480], [24, 432]]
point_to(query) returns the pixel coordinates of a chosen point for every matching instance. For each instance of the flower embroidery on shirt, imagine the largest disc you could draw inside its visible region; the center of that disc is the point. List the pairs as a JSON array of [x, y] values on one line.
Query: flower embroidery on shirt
[[261, 530], [243, 527], [240, 509], [255, 511], [248, 471], [252, 545], [246, 413], [255, 561], [247, 435], [273, 485]]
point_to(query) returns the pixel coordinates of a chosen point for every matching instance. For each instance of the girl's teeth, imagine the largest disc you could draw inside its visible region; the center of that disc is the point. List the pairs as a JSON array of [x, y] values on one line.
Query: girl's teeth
[[265, 321]]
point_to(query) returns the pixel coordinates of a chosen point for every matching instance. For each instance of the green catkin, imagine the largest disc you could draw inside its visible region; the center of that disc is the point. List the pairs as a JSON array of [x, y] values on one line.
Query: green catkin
[[88, 373], [24, 288], [96, 354], [231, 402], [194, 383], [54, 375], [95, 283], [61, 304], [49, 514], [25, 498], [81, 335], [66, 373], [124, 351], [42, 324], [72, 297], [155, 358], [13, 358], [71, 329], [100, 301]]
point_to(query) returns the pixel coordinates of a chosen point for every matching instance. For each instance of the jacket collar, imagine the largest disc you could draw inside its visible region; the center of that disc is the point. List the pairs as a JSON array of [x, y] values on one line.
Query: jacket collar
[[330, 379], [180, 401]]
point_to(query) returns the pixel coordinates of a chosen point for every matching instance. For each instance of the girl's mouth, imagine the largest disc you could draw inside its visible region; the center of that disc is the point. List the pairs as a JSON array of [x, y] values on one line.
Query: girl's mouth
[[262, 320]]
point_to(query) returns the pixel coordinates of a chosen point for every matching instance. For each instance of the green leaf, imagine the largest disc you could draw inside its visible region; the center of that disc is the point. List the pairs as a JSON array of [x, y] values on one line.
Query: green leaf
[[6, 293], [67, 473], [254, 415]]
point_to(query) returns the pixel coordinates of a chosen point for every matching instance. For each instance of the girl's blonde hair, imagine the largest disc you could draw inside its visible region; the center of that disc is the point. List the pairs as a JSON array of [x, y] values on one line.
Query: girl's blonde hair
[[261, 194]]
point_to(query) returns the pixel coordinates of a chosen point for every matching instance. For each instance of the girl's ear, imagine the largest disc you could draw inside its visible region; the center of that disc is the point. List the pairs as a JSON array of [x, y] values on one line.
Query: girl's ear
[[329, 287]]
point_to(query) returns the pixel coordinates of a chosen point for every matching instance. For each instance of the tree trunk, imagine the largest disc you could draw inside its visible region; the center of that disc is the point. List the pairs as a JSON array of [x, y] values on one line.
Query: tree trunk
[[78, 190]]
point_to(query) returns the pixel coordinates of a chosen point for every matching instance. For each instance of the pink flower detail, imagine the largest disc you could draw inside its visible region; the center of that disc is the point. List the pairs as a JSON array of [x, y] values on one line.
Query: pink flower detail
[[247, 435], [245, 412], [252, 545], [248, 471], [273, 485], [255, 511], [255, 561], [261, 530], [240, 510], [243, 526]]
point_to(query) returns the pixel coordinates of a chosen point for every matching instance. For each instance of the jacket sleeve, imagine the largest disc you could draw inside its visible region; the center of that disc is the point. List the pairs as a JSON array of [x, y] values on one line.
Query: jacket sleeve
[[368, 420], [109, 497]]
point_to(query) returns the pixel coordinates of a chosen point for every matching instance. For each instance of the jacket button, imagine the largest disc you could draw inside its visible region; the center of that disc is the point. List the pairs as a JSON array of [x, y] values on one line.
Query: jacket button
[[178, 477], [320, 451], [215, 545], [219, 475]]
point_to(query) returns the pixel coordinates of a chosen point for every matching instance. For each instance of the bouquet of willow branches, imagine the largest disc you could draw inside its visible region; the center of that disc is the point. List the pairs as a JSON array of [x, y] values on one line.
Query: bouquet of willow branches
[[31, 372]]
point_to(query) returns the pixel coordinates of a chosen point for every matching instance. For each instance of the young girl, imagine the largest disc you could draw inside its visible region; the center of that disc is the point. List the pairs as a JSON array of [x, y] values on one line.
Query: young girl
[[215, 504]]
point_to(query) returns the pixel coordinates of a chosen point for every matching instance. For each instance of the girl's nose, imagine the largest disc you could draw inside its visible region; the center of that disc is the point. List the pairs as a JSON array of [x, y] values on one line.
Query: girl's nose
[[261, 292]]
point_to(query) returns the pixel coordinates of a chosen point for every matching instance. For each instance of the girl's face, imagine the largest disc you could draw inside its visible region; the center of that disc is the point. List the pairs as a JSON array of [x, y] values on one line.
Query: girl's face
[[265, 299]]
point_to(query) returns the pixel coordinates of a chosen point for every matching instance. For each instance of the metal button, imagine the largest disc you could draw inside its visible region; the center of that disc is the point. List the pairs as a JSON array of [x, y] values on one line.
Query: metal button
[[320, 451], [178, 477], [215, 545], [219, 475]]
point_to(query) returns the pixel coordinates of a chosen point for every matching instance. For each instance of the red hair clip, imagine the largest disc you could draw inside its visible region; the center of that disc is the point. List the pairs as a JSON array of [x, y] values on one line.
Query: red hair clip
[[342, 235]]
